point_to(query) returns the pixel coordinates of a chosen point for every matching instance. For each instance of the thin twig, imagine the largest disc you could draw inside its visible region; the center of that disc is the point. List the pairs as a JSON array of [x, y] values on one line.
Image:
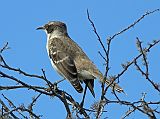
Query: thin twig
[[95, 31], [4, 48], [134, 23], [146, 73], [132, 62]]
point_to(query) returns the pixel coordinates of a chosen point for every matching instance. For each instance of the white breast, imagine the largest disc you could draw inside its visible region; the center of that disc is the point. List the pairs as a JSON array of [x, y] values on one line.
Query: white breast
[[53, 65]]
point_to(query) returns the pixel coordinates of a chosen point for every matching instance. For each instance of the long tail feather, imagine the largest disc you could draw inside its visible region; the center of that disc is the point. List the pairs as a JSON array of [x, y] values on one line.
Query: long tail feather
[[114, 86]]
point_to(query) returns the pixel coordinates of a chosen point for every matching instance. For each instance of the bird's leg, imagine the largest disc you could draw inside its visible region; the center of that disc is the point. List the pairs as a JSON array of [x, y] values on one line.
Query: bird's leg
[[84, 96]]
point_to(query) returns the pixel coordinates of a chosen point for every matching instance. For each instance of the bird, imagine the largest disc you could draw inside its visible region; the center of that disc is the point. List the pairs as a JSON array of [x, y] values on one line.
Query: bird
[[70, 61]]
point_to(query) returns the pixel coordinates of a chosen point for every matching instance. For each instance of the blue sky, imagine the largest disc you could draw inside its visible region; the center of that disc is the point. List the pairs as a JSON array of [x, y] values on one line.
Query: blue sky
[[18, 22]]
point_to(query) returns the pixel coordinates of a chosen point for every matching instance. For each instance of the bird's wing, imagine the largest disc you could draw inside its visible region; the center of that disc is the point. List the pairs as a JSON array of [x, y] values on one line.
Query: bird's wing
[[64, 63]]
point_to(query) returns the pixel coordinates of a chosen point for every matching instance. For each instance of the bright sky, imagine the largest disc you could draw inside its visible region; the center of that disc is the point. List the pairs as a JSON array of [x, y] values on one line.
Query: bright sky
[[18, 22]]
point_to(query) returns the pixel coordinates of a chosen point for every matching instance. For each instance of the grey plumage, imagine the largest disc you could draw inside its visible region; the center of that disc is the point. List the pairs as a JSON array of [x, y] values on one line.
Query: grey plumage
[[69, 60]]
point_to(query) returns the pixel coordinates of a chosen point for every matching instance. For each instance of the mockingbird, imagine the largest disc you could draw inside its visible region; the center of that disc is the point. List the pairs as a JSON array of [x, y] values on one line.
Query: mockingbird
[[69, 60]]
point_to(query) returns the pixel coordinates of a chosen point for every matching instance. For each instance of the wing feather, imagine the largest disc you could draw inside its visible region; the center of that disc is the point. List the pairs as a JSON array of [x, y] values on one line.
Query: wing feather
[[64, 63]]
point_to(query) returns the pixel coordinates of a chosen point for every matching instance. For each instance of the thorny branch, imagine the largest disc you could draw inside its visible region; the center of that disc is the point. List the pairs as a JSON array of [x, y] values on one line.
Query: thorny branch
[[51, 89], [134, 23], [34, 100], [146, 73], [126, 66], [106, 53]]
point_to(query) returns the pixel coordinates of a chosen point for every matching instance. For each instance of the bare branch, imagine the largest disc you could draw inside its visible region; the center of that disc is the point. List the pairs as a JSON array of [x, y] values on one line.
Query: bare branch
[[133, 61], [95, 31], [71, 106], [146, 73], [4, 48], [134, 23]]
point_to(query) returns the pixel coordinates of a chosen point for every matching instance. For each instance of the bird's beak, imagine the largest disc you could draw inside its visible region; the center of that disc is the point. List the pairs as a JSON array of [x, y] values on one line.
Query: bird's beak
[[40, 28]]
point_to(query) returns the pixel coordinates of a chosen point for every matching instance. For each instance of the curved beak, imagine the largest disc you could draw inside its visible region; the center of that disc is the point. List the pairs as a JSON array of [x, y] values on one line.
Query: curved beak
[[40, 28]]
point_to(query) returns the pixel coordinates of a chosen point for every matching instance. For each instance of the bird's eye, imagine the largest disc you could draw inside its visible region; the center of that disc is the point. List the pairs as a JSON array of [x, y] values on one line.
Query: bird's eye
[[46, 26], [64, 26], [49, 29]]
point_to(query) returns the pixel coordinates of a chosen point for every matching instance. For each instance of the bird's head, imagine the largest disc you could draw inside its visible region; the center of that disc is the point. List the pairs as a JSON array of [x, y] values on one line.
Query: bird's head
[[54, 28]]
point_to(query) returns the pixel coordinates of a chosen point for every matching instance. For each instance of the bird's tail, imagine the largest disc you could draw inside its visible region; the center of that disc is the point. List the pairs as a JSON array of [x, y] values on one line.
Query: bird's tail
[[113, 85], [96, 73]]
